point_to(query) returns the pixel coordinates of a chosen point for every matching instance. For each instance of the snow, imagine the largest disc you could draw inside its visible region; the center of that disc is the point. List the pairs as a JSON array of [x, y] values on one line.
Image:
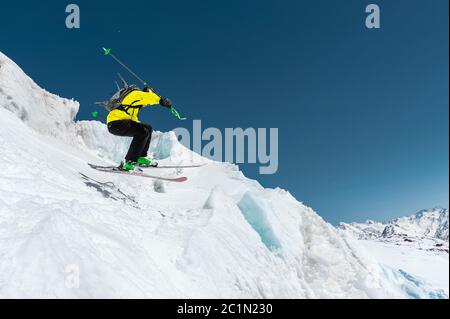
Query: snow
[[68, 231], [430, 267], [49, 113], [430, 224], [417, 246], [254, 211]]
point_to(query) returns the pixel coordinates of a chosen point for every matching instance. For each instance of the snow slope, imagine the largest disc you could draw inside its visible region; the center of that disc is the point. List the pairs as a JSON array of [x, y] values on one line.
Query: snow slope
[[430, 266], [67, 231], [417, 244]]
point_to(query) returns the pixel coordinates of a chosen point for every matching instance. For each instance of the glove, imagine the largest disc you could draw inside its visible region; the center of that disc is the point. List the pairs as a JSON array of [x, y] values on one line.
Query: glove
[[165, 102]]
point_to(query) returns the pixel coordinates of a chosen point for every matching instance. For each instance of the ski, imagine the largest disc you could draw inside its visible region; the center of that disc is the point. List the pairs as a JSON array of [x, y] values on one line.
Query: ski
[[116, 170], [176, 166], [160, 166]]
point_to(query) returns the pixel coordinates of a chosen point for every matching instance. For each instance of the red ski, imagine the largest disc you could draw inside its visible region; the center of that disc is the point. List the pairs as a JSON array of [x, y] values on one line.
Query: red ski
[[176, 166]]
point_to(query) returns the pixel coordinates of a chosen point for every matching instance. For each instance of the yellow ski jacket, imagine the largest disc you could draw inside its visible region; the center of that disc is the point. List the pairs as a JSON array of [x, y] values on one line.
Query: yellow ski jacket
[[132, 103]]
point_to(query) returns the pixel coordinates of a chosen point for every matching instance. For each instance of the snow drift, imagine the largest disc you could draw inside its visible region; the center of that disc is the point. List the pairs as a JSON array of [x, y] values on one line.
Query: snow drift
[[67, 231]]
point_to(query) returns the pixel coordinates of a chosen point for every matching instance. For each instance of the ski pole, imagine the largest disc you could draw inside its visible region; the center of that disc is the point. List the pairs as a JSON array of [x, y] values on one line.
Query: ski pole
[[172, 109], [176, 114], [108, 52]]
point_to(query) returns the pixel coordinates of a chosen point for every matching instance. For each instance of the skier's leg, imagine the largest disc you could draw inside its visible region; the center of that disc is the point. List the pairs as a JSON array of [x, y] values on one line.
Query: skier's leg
[[138, 131], [119, 128], [141, 135], [147, 145]]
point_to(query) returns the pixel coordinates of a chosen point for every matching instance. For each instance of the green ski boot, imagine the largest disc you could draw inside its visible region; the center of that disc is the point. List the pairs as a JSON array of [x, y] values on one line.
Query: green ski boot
[[146, 162], [128, 166]]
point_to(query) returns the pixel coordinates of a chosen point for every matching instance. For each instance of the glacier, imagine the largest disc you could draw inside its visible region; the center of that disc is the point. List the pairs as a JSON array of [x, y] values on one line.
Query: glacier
[[219, 235]]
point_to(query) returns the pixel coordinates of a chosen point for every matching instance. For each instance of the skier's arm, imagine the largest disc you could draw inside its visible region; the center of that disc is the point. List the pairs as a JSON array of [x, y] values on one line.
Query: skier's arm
[[163, 101], [141, 98]]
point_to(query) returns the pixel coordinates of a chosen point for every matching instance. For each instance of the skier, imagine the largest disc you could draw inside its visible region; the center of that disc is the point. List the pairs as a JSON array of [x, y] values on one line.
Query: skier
[[123, 121]]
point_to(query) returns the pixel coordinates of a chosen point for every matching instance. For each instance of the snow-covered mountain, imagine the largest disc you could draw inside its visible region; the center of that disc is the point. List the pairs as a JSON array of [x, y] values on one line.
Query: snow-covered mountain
[[67, 231], [427, 229], [431, 223]]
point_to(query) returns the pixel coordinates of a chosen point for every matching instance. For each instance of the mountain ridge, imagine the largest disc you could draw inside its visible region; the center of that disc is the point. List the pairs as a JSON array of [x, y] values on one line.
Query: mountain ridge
[[425, 224]]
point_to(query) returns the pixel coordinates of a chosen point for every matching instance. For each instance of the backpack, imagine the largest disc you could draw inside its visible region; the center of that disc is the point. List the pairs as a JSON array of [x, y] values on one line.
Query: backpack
[[115, 102]]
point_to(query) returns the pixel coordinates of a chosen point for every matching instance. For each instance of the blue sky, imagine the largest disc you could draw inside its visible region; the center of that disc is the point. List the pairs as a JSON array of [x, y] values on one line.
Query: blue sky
[[362, 114]]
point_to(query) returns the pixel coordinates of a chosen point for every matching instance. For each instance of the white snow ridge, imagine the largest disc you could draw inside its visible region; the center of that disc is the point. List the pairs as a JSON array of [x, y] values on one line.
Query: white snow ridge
[[68, 231]]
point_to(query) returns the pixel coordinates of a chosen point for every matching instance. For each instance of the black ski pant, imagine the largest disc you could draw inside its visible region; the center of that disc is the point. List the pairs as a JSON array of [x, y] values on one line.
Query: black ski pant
[[141, 133]]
